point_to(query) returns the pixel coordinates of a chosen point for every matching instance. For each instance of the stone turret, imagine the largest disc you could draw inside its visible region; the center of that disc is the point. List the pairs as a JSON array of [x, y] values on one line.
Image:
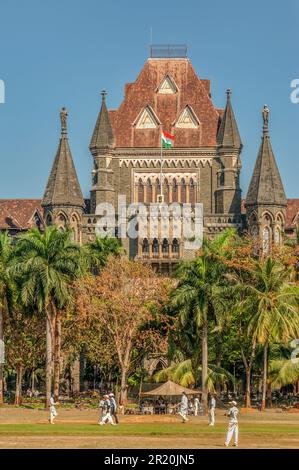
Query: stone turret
[[228, 192], [101, 147], [266, 200], [63, 201]]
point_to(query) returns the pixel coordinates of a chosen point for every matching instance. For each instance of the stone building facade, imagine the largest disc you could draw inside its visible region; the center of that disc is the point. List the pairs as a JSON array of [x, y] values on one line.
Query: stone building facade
[[203, 167]]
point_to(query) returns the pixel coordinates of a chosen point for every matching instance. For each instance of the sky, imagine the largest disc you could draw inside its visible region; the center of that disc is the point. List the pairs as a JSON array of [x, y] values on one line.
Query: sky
[[56, 53]]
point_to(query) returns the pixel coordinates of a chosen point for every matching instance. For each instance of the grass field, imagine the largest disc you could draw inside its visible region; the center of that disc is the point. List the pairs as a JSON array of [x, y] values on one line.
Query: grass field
[[79, 429]]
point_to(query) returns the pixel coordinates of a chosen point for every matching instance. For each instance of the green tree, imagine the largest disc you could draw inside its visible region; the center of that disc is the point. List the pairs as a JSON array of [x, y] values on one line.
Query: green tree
[[44, 266], [198, 296], [6, 290], [271, 304]]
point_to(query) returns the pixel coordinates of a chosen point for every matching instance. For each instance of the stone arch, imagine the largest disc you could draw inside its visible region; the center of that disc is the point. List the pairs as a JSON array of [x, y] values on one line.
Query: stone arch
[[183, 190], [61, 220], [49, 219], [145, 246], [266, 239], [75, 226]]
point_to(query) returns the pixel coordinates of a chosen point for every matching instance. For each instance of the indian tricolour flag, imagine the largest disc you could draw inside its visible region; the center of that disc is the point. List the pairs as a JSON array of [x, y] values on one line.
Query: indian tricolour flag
[[167, 140]]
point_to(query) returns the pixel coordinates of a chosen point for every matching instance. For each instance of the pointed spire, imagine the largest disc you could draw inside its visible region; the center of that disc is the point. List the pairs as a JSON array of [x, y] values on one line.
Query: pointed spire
[[228, 134], [266, 187], [102, 136], [63, 187]]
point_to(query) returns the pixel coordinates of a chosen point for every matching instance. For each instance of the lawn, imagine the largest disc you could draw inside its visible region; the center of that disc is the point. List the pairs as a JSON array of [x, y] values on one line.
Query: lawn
[[79, 429]]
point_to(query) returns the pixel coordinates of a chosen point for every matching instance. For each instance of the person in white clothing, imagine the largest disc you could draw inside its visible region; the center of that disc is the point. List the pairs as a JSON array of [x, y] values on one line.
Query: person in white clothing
[[53, 412], [196, 406], [184, 407], [212, 408], [106, 417], [233, 428]]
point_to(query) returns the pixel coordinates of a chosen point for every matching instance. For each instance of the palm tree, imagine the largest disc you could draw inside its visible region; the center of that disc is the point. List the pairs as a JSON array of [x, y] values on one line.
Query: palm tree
[[198, 295], [273, 306], [6, 290], [98, 251], [44, 266], [184, 374]]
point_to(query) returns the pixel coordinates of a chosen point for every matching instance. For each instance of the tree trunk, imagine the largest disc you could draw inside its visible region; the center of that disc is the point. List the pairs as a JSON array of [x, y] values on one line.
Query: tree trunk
[[1, 365], [204, 372], [218, 347], [248, 387], [57, 354], [123, 387], [19, 379], [265, 375], [49, 352]]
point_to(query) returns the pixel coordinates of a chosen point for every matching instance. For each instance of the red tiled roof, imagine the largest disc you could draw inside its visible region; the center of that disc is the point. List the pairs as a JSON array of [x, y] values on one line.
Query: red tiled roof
[[191, 91], [292, 212], [17, 214]]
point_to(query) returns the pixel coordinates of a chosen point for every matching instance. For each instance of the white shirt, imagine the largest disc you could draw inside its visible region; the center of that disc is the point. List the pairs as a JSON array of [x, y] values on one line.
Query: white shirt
[[213, 403], [184, 402], [233, 414]]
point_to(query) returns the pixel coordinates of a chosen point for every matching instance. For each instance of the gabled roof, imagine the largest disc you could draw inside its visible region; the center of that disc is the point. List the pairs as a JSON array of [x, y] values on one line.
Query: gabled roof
[[19, 214], [170, 388], [63, 187], [145, 90], [266, 187], [228, 133], [102, 136]]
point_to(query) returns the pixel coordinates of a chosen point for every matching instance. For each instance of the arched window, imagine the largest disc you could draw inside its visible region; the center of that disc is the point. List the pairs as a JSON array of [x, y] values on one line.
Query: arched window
[[277, 236], [166, 190], [192, 192], [149, 191], [155, 246], [145, 246], [158, 187], [266, 240], [175, 246], [183, 191], [49, 219], [174, 191], [140, 190], [165, 247]]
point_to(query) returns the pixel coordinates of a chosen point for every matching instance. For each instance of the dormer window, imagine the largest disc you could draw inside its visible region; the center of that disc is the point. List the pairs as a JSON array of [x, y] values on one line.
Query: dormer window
[[147, 119], [187, 119], [168, 86]]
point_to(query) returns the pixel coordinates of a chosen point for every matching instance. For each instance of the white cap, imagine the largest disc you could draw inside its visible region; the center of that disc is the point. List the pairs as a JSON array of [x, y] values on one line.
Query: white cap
[[233, 403], [111, 394]]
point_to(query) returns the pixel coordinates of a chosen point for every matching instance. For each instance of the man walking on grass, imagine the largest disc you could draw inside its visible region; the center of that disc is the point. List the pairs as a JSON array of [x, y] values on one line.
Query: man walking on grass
[[212, 408], [233, 428], [184, 407], [106, 418], [113, 407]]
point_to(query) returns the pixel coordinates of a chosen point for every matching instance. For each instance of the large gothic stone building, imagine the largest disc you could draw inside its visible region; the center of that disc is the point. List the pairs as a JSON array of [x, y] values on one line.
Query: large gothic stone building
[[203, 166]]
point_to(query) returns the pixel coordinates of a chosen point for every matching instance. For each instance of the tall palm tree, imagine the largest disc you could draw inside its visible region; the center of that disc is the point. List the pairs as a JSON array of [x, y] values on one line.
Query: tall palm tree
[[44, 266], [273, 305], [6, 290], [198, 295]]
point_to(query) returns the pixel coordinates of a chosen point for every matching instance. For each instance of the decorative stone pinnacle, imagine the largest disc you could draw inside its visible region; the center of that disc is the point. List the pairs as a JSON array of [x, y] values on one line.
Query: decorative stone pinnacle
[[63, 121], [103, 93], [266, 119], [228, 93]]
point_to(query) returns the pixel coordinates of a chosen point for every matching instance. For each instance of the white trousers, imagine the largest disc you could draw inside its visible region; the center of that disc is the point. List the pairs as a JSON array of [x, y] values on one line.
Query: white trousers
[[212, 416], [183, 413], [53, 414], [196, 410], [107, 418], [232, 429]]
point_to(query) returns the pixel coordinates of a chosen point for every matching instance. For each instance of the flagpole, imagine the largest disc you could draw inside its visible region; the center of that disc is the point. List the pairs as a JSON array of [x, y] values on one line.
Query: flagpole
[[161, 165]]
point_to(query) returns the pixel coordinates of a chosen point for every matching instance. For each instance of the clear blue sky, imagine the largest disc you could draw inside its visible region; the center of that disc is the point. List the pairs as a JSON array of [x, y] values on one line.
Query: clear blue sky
[[62, 53]]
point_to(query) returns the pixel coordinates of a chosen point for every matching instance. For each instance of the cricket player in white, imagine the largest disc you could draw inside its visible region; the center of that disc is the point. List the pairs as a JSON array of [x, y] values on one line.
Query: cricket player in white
[[233, 424], [106, 417], [212, 408], [53, 412], [184, 407]]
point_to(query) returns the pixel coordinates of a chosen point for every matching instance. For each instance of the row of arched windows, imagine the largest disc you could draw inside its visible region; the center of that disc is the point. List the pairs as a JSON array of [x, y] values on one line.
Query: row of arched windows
[[152, 247], [173, 191]]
